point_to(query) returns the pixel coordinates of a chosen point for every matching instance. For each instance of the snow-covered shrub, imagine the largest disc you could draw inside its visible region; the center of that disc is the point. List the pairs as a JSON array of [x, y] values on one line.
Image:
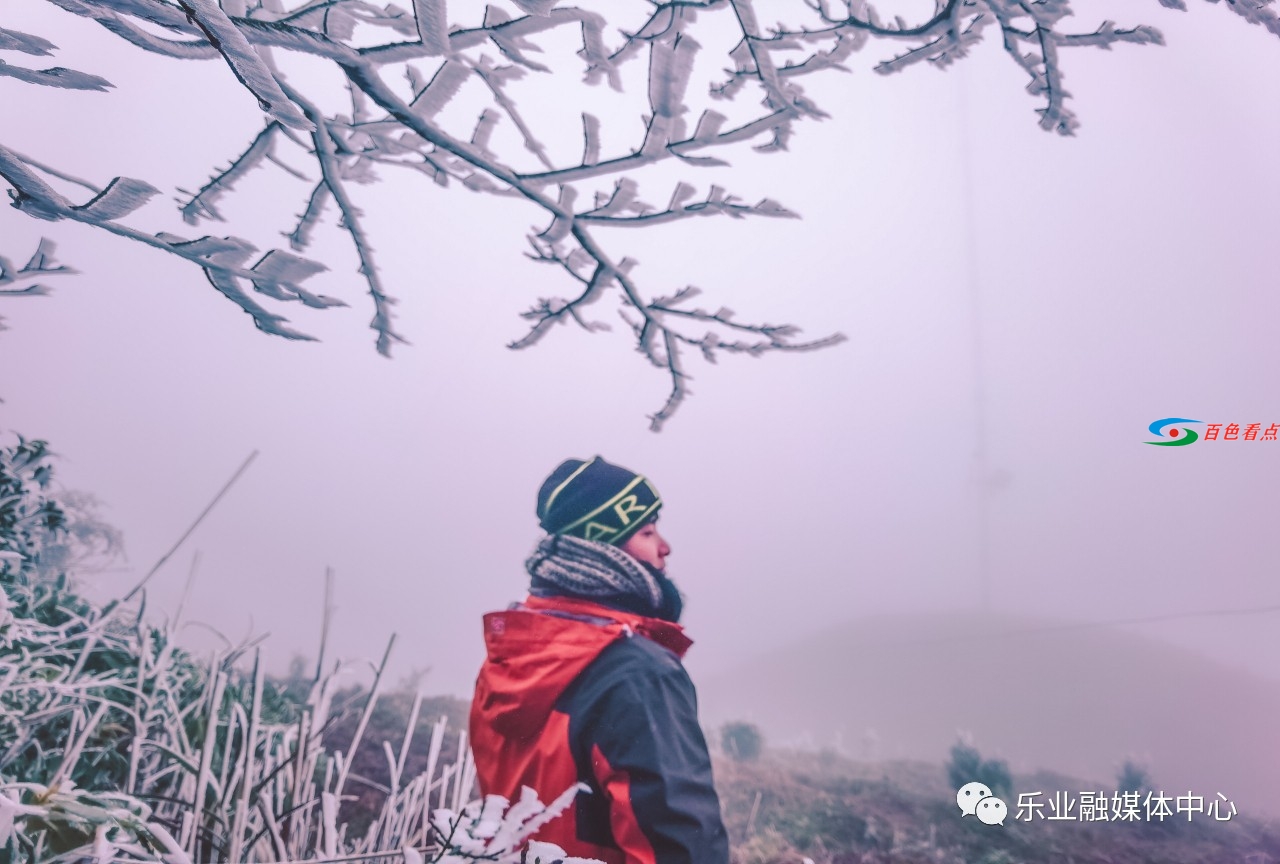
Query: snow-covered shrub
[[116, 745]]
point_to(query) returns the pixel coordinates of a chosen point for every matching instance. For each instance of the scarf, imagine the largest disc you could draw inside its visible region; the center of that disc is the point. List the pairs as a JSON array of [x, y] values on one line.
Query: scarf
[[563, 565]]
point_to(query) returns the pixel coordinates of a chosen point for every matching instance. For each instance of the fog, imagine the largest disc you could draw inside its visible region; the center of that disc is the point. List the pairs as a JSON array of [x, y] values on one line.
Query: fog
[[1018, 306]]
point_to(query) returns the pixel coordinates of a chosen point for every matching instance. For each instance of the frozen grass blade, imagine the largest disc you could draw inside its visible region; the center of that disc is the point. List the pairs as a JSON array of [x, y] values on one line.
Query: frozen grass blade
[[374, 692], [247, 773]]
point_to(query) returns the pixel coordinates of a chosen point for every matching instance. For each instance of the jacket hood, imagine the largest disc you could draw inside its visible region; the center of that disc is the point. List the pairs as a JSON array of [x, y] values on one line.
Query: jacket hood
[[536, 649]]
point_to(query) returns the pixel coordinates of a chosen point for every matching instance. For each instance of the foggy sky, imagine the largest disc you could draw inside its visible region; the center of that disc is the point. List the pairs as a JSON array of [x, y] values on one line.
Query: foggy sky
[[1121, 276]]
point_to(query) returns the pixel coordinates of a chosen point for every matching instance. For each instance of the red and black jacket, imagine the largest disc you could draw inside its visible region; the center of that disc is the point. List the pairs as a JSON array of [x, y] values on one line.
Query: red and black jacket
[[576, 691]]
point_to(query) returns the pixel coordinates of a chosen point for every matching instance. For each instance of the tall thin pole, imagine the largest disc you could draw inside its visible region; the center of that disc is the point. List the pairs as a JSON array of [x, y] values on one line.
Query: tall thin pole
[[981, 466]]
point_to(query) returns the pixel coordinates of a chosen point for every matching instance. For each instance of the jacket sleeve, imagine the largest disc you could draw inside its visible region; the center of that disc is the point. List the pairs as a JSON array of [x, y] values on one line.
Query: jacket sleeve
[[649, 757]]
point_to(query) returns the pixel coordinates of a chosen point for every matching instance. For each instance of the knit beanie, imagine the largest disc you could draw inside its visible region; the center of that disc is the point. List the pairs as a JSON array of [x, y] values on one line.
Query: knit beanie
[[596, 500]]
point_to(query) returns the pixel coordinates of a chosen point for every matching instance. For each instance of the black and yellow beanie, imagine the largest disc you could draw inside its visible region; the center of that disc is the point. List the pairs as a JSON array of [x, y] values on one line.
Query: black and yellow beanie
[[596, 500]]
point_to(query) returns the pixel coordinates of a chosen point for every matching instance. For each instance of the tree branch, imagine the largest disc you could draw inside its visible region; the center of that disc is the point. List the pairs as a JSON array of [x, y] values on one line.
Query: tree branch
[[768, 63]]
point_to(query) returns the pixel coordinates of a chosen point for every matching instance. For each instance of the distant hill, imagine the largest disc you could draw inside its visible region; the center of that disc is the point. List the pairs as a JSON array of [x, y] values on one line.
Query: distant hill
[[1072, 700]]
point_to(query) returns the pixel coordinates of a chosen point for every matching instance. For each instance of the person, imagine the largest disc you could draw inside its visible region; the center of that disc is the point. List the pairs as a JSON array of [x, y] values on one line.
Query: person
[[583, 682]]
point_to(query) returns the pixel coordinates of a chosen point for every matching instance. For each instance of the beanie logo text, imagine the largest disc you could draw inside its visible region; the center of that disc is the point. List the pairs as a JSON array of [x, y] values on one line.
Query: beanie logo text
[[596, 501], [628, 505], [597, 533]]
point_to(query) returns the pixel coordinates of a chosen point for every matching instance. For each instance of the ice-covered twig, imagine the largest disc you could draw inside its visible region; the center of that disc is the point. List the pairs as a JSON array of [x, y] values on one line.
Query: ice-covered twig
[[40, 264]]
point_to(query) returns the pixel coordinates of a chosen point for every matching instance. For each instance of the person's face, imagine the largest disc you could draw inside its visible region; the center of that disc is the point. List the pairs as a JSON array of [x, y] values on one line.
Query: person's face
[[647, 546]]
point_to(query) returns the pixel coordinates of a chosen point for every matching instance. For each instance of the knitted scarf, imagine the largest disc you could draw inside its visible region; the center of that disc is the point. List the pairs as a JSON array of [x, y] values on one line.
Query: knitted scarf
[[571, 566]]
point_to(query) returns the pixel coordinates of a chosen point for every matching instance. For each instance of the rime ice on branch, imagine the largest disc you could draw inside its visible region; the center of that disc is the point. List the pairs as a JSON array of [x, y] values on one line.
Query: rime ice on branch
[[408, 64]]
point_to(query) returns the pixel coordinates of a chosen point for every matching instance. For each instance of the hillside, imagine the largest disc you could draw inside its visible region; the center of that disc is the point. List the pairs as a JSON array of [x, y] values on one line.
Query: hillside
[[1076, 701], [836, 811]]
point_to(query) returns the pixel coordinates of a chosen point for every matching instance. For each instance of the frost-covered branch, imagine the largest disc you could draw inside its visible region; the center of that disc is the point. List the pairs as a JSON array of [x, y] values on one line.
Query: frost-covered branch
[[277, 274], [40, 264], [494, 62], [203, 204], [333, 179]]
